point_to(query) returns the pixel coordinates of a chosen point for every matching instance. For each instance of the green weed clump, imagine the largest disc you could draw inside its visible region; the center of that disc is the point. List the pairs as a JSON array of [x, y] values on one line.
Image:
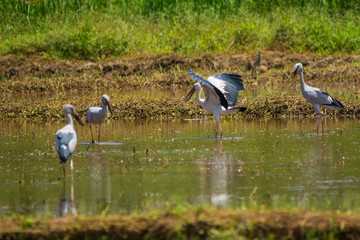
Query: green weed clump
[[95, 29]]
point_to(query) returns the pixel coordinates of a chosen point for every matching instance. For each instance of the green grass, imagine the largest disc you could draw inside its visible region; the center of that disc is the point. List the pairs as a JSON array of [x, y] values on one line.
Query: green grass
[[94, 29]]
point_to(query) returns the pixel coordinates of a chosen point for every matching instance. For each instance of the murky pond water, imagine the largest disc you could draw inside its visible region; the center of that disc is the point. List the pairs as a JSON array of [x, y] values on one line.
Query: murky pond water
[[154, 165]]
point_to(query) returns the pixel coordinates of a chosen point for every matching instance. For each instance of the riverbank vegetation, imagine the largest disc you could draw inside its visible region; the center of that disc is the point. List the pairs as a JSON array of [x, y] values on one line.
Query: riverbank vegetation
[[197, 223], [73, 51], [154, 86], [95, 29]]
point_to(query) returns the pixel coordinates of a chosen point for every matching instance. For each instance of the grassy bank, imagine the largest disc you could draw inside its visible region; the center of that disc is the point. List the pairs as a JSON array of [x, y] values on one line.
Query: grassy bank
[[21, 74], [154, 86], [167, 108], [188, 224], [94, 29]]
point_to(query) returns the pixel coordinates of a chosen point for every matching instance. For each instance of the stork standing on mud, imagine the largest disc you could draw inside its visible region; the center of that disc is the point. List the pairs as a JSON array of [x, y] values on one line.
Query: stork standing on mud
[[66, 137], [318, 98], [221, 93], [97, 115]]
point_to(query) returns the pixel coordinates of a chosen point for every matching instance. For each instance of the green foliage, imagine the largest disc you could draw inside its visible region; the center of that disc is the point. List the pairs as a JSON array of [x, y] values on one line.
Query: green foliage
[[96, 29], [28, 223]]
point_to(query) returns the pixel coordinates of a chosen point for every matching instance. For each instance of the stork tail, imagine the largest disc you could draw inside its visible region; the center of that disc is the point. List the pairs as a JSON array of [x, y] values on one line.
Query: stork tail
[[241, 109], [334, 105], [235, 110]]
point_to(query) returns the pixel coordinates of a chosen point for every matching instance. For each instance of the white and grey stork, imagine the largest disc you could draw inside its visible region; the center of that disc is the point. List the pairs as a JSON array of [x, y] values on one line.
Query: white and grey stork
[[97, 115], [221, 93], [66, 137], [317, 97]]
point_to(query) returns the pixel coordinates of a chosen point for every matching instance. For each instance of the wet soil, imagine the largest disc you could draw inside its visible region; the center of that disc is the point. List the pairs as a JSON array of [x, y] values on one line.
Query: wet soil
[[198, 224], [12, 66], [35, 74]]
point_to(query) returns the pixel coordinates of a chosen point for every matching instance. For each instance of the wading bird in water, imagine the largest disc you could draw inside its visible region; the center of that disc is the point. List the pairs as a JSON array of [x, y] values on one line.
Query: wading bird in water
[[318, 98], [97, 115], [66, 137], [221, 93]]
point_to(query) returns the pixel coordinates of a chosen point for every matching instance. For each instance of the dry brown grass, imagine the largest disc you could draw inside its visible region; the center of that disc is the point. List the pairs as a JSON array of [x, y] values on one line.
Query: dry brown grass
[[30, 74], [164, 71]]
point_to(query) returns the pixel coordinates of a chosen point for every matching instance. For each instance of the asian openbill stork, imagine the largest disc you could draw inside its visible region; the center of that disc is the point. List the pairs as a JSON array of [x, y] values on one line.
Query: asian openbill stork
[[221, 93]]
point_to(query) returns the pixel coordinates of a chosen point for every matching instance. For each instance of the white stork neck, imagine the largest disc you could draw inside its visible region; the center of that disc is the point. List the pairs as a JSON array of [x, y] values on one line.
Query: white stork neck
[[69, 119], [104, 107], [302, 82], [198, 96]]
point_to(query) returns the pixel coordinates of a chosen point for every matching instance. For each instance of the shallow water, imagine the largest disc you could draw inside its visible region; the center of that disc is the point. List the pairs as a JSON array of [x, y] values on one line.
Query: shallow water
[[155, 165]]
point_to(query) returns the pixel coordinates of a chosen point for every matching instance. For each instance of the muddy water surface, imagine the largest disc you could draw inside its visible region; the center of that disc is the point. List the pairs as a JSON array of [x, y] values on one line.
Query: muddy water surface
[[155, 165]]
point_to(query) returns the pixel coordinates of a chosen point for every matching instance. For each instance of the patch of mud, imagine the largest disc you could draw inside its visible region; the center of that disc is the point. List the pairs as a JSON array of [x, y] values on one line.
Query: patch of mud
[[198, 224], [13, 66]]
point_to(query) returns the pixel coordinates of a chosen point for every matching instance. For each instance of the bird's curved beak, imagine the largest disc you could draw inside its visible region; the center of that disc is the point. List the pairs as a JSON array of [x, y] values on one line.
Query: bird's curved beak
[[191, 92], [77, 118], [110, 108]]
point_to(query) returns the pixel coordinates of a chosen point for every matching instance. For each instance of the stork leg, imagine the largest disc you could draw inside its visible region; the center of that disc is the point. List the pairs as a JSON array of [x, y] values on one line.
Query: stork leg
[[71, 166], [73, 209], [322, 123], [218, 125], [99, 134], [317, 123], [64, 170], [220, 130], [92, 138], [72, 179], [217, 129]]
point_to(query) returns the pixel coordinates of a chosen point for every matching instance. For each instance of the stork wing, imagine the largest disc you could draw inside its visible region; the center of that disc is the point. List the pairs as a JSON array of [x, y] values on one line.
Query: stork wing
[[210, 89], [328, 101], [318, 96], [229, 85], [211, 96], [64, 142]]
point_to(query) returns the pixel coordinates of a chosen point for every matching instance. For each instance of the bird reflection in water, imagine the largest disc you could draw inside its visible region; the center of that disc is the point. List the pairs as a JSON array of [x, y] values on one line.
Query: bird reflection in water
[[66, 205], [214, 176], [220, 174], [319, 148]]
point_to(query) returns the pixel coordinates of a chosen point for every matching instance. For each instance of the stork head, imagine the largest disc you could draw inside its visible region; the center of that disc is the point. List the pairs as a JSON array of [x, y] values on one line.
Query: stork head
[[192, 91], [105, 100], [70, 110], [298, 68]]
